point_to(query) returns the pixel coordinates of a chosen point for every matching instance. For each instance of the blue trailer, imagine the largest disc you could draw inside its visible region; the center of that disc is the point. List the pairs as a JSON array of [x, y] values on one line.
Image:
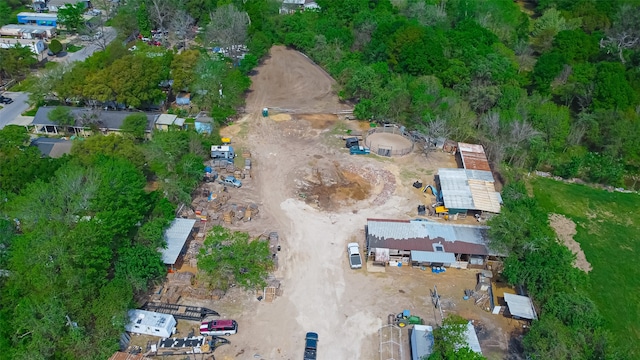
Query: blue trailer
[[42, 19]]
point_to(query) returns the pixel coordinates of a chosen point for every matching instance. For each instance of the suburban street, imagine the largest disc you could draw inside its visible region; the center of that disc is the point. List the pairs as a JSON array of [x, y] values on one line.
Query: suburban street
[[13, 110], [90, 47], [10, 112]]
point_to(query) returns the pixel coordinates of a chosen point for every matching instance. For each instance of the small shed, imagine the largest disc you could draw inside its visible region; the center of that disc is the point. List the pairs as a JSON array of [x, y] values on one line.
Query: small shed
[[176, 236], [164, 121], [421, 342], [151, 323], [183, 98], [520, 307]]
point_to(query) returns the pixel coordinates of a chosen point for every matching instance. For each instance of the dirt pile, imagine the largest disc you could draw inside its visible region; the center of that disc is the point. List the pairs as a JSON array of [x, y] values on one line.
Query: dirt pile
[[329, 186], [566, 229]]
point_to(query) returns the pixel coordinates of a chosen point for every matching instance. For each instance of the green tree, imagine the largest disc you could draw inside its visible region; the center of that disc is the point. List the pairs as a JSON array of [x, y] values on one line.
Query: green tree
[[136, 125], [89, 149], [55, 46], [70, 16], [62, 116], [450, 341], [612, 90], [5, 13], [139, 265], [231, 257], [183, 69], [16, 61]]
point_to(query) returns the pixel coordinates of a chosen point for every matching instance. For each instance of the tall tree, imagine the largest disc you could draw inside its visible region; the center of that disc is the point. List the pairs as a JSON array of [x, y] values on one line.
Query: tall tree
[[70, 16], [228, 29]]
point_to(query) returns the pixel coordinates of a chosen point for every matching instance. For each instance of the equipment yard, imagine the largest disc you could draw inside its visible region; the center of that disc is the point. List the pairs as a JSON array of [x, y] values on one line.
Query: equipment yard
[[318, 198]]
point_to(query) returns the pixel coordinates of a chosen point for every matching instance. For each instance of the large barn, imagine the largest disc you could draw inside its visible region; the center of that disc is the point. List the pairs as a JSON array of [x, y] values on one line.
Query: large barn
[[427, 243]]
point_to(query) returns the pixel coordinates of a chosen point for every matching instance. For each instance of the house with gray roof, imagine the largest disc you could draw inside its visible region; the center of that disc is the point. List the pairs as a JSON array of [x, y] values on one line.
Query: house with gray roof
[[86, 121], [427, 243], [52, 147]]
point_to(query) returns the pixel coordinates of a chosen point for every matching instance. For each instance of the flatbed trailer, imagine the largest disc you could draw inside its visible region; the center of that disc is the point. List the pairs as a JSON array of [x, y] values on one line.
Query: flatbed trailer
[[184, 312]]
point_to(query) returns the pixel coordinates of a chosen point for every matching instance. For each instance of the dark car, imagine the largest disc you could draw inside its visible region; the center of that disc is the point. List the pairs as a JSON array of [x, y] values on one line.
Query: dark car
[[310, 346], [351, 142], [5, 100]]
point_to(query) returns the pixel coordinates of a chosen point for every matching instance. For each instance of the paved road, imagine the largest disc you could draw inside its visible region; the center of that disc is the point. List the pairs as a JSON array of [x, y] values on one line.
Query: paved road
[[13, 110], [89, 48], [10, 112]]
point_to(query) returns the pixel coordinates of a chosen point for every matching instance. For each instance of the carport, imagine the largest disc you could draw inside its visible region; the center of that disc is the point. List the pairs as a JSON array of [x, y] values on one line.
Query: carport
[[428, 258], [176, 236], [520, 307]]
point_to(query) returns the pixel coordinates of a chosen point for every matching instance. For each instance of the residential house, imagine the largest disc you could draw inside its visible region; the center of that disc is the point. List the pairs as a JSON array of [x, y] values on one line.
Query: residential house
[[106, 122], [52, 147], [28, 31], [36, 46], [43, 19]]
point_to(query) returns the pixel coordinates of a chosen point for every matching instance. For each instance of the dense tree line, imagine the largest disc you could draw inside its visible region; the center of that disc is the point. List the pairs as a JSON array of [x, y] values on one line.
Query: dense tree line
[[556, 92], [79, 236], [569, 325]]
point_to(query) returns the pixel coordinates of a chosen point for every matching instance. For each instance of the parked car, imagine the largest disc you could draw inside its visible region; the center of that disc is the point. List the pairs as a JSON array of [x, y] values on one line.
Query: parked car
[[310, 346], [85, 37], [359, 150], [231, 181], [355, 261], [219, 328], [352, 141], [5, 100]]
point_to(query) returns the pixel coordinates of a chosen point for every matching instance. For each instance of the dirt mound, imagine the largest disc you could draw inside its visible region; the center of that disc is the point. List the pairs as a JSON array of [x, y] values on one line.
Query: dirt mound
[[566, 229], [329, 186], [288, 80]]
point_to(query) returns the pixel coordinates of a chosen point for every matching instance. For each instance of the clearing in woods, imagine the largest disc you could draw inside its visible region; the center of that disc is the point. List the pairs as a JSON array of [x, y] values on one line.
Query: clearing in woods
[[318, 198], [608, 231]]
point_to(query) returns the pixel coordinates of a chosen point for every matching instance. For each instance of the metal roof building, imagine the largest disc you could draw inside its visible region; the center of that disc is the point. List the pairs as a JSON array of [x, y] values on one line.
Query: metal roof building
[[176, 236], [473, 157], [464, 189], [105, 120], [520, 306], [426, 236], [472, 338], [421, 342]]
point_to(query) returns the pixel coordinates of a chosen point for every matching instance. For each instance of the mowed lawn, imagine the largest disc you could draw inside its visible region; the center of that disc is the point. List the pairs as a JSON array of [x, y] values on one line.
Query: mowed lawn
[[608, 230]]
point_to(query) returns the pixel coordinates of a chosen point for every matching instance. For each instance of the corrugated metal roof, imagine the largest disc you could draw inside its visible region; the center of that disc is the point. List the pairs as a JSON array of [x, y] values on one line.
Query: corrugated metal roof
[[469, 189], [421, 342], [421, 235], [433, 257], [473, 157], [175, 236], [166, 119], [472, 338], [520, 306]]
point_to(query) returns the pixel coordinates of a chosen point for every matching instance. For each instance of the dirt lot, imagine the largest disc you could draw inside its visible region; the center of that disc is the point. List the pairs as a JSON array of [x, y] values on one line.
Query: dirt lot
[[318, 198]]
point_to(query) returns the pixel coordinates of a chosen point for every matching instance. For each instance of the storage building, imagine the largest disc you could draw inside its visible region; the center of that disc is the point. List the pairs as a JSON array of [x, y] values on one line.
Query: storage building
[[43, 19]]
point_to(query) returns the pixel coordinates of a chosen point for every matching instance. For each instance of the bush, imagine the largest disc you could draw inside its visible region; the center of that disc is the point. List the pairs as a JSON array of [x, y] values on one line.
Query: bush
[[55, 46]]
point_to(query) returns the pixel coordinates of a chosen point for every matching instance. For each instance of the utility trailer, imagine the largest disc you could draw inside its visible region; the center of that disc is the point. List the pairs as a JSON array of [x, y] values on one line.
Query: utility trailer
[[184, 312]]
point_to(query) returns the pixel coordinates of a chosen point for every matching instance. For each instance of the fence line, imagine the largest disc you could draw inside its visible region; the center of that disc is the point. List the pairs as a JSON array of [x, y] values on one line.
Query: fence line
[[386, 150]]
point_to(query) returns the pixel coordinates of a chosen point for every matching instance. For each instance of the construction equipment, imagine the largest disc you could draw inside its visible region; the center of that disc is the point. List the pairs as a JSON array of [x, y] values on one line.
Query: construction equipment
[[405, 318], [434, 192]]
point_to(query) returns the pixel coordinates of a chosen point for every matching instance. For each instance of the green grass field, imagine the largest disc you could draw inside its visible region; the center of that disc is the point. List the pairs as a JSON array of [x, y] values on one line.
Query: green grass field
[[608, 230]]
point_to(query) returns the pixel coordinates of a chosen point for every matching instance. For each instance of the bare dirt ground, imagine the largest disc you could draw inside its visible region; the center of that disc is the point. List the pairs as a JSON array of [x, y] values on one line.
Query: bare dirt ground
[[318, 197], [566, 229], [289, 80]]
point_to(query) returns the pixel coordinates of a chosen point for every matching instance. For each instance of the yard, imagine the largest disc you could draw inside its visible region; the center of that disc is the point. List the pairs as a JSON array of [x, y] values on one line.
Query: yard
[[608, 230], [318, 198]]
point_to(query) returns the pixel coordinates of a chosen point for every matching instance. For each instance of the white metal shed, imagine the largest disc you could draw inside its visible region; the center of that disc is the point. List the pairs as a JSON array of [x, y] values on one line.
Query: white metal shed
[[151, 323]]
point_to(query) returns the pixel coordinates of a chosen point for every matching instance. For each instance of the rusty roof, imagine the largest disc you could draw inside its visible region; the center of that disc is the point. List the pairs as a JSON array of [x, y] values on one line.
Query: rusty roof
[[422, 235], [473, 157]]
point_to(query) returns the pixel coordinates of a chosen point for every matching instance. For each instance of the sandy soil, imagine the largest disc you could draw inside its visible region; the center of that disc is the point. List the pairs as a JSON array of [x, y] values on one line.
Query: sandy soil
[[566, 229], [288, 80], [394, 142], [318, 197]]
